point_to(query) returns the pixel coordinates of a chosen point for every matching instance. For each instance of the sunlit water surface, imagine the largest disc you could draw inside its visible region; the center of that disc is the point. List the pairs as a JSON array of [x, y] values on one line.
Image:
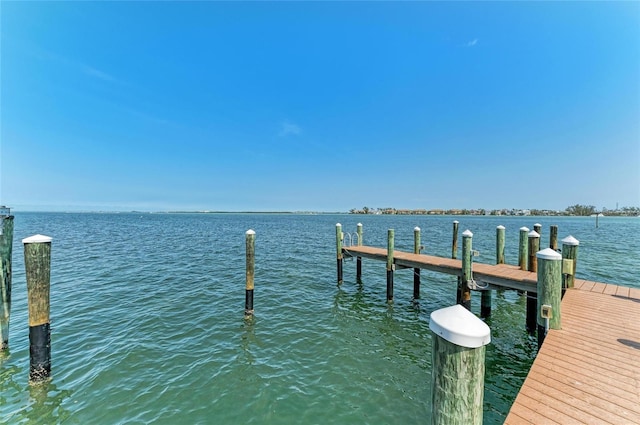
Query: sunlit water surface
[[147, 318]]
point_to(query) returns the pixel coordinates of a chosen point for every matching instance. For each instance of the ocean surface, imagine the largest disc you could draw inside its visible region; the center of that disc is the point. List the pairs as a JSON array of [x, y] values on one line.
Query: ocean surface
[[147, 322]]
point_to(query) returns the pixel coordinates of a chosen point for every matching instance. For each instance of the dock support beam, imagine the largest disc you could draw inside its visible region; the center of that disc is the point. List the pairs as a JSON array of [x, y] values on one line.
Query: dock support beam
[[6, 249], [37, 262], [467, 271], [359, 259], [532, 299], [416, 271], [250, 272], [570, 261], [549, 292], [458, 365], [339, 237], [485, 301], [390, 266]]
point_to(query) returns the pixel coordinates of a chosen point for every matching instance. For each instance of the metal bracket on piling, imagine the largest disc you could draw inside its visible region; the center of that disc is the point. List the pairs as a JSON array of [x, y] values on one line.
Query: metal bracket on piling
[[567, 266]]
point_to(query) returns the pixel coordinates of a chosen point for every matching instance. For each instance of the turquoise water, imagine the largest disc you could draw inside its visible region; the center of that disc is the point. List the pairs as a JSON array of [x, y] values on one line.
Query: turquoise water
[[147, 318]]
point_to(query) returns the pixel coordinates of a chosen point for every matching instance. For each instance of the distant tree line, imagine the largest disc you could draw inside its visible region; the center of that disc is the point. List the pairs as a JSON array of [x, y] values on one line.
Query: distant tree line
[[573, 210]]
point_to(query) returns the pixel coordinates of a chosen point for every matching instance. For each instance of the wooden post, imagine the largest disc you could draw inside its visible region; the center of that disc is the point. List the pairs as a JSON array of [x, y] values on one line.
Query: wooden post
[[6, 249], [467, 270], [570, 261], [359, 259], [390, 266], [549, 292], [553, 237], [458, 343], [37, 262], [416, 271], [454, 255], [532, 299], [500, 236], [454, 243], [537, 228], [534, 247], [339, 237], [523, 256], [250, 272]]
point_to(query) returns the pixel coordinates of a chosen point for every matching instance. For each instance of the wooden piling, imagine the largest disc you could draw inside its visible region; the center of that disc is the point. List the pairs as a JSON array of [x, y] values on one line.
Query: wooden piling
[[416, 271], [570, 261], [390, 266], [523, 256], [37, 261], [454, 243], [485, 300], [553, 237], [467, 270], [359, 259], [454, 255], [500, 236], [538, 228], [250, 237], [458, 365], [549, 292], [532, 298], [339, 237], [6, 249], [534, 247]]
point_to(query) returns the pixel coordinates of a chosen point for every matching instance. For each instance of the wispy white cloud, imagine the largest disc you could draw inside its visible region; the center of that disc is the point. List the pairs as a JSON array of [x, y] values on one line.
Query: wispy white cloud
[[472, 43], [93, 72], [288, 128]]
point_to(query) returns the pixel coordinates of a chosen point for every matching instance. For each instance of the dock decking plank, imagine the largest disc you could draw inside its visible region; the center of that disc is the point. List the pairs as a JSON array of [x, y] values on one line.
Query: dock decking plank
[[585, 363], [588, 372]]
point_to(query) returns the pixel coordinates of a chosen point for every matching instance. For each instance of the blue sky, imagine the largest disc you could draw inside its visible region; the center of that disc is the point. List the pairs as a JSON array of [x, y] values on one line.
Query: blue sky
[[322, 106]]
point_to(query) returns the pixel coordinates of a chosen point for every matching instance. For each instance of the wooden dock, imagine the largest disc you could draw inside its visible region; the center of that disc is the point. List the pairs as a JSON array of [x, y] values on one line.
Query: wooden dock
[[589, 371], [500, 275]]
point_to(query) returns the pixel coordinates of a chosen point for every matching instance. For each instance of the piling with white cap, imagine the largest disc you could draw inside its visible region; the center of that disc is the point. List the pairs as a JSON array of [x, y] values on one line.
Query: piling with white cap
[[390, 265], [416, 272], [360, 233], [532, 299], [549, 292], [250, 239], [339, 238], [500, 236], [458, 343], [570, 261], [6, 249], [523, 251], [467, 272], [37, 262]]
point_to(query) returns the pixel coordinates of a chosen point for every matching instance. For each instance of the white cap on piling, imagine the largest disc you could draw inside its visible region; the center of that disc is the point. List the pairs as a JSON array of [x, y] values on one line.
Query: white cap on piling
[[534, 234], [570, 240], [359, 225], [501, 227], [455, 222], [338, 225], [467, 233], [459, 326], [548, 254], [538, 225], [524, 229], [37, 239], [416, 229], [251, 232]]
